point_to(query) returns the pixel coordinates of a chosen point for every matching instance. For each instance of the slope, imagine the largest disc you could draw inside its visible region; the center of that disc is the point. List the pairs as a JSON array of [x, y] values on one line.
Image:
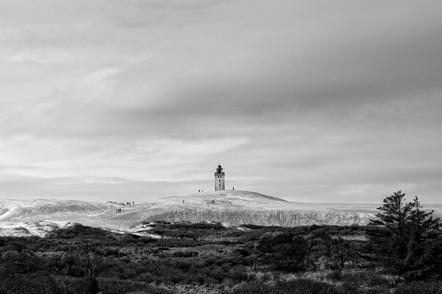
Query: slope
[[36, 209], [227, 207], [243, 207]]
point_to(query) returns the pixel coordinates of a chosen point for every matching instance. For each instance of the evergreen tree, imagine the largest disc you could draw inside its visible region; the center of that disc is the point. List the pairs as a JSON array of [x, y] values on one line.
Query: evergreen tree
[[413, 237]]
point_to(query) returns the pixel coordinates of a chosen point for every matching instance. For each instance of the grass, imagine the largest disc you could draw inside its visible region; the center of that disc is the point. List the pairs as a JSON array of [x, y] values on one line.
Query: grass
[[202, 257]]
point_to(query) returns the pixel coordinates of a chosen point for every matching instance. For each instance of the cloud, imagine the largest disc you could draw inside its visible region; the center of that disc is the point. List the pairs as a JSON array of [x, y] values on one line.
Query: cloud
[[172, 4], [103, 189], [294, 98]]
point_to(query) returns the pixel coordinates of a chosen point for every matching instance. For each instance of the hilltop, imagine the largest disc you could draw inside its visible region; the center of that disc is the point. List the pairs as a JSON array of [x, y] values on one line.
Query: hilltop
[[221, 200]]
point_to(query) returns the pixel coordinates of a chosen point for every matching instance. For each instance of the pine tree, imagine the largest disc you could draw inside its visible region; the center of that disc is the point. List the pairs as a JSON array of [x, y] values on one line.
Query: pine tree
[[422, 247], [414, 235]]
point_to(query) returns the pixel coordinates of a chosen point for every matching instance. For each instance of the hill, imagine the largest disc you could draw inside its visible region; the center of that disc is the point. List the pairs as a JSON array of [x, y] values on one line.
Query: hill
[[37, 217], [244, 207], [42, 208], [231, 208]]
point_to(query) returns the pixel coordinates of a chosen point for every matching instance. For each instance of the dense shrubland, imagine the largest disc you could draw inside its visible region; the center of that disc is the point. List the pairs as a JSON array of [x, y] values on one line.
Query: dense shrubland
[[400, 252]]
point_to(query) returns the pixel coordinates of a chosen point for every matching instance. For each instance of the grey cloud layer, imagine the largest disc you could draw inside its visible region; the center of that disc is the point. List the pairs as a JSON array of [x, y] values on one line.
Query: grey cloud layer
[[318, 91]]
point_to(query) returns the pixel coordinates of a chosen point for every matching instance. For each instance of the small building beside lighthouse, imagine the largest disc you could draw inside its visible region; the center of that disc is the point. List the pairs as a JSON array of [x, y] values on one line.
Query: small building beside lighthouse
[[219, 179]]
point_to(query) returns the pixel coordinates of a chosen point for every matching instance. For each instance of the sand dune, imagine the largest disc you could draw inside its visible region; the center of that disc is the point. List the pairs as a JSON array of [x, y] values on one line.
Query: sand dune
[[35, 217]]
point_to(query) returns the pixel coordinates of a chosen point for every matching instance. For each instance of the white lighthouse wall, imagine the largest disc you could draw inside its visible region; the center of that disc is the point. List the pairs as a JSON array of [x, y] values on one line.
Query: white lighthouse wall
[[219, 183]]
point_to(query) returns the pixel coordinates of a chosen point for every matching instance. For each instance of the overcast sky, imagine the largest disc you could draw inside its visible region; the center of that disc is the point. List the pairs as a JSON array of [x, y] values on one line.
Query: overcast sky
[[132, 100]]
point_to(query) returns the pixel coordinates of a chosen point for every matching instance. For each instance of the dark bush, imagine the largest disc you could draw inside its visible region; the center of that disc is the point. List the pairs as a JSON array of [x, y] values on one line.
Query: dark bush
[[301, 286], [285, 252], [186, 254], [114, 286], [38, 283], [338, 252], [335, 275], [420, 288], [255, 287]]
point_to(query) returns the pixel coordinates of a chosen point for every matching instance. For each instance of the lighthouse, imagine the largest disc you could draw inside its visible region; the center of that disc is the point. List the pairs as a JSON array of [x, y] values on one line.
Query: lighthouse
[[219, 179]]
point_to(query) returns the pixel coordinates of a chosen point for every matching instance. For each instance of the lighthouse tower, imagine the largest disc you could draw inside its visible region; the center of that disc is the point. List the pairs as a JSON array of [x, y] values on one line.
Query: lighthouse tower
[[219, 179]]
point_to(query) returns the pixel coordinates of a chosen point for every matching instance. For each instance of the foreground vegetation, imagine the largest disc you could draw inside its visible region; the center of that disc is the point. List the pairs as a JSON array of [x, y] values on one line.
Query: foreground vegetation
[[398, 253]]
